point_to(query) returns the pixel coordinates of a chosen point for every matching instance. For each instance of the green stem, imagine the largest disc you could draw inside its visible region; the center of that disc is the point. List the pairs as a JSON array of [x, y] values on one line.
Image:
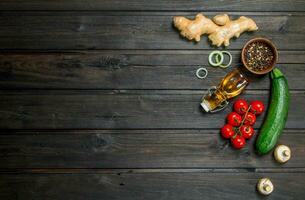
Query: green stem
[[276, 73], [242, 122]]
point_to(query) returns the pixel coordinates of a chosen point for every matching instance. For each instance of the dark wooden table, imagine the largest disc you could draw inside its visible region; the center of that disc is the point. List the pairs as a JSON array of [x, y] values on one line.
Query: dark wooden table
[[99, 101]]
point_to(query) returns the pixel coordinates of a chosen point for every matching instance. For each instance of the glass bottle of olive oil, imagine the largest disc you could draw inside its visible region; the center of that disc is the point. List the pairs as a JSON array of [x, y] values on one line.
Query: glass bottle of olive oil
[[230, 86]]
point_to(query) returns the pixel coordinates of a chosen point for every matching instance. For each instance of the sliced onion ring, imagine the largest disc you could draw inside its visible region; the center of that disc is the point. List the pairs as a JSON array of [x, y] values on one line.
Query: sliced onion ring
[[219, 62], [202, 76], [230, 59]]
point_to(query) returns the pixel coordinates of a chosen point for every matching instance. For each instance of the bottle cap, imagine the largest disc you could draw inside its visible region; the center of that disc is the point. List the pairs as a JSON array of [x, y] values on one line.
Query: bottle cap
[[204, 106]]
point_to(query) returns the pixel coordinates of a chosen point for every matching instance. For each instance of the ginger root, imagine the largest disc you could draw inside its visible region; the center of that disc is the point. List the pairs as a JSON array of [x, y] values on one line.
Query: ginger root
[[220, 30]]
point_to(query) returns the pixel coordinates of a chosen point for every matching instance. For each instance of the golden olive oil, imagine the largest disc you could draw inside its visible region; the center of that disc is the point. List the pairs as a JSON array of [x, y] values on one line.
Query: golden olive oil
[[230, 86]]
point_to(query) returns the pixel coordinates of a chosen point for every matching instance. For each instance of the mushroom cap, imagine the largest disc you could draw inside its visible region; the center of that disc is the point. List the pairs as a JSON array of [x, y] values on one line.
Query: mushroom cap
[[282, 153], [265, 186]]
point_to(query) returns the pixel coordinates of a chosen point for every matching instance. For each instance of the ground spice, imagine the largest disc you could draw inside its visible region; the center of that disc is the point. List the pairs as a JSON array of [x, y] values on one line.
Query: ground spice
[[259, 56]]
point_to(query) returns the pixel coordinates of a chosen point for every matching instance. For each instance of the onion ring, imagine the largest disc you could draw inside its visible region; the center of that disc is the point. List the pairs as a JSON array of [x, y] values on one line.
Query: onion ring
[[230, 59], [219, 62], [202, 76]]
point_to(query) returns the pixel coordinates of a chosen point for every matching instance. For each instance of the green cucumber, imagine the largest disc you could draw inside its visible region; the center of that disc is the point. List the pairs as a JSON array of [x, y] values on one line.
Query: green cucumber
[[277, 113]]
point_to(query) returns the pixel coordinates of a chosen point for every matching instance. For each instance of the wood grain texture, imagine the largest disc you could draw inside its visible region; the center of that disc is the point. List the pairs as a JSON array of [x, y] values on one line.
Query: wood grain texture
[[135, 30], [135, 5], [108, 93], [129, 70], [136, 186], [122, 110], [137, 149]]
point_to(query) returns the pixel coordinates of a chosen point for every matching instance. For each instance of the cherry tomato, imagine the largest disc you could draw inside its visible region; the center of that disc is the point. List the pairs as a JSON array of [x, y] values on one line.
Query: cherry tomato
[[247, 131], [257, 107], [238, 142], [227, 131], [241, 106], [234, 119], [250, 119]]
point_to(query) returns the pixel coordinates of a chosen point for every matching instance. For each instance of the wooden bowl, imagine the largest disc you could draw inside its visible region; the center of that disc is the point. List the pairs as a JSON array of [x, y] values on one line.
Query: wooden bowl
[[270, 45]]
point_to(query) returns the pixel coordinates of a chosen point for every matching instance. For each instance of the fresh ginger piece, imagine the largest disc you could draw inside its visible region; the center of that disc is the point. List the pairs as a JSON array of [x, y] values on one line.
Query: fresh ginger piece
[[223, 34], [221, 19], [220, 30], [193, 29]]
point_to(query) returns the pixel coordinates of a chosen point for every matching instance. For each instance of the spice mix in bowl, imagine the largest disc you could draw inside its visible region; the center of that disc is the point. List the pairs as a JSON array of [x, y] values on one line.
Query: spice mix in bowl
[[259, 56]]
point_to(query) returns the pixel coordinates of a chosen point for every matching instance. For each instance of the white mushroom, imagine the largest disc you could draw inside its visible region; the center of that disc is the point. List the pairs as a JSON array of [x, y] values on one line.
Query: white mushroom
[[265, 186], [282, 153]]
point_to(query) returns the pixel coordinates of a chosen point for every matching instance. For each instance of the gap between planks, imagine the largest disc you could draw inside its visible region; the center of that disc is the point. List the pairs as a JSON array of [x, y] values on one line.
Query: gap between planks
[[69, 91], [148, 170], [125, 131], [145, 13]]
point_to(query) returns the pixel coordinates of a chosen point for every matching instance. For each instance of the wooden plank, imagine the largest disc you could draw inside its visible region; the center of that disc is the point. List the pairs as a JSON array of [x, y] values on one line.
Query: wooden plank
[[129, 70], [147, 170], [122, 110], [134, 5], [173, 186], [137, 149], [135, 57], [115, 30]]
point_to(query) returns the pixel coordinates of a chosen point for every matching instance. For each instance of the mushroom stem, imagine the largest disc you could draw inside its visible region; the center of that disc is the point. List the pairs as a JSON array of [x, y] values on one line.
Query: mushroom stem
[[286, 153], [267, 188]]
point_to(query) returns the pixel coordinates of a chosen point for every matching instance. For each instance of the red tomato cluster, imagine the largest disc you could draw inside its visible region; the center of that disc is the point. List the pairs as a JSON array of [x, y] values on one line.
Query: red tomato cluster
[[240, 122]]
